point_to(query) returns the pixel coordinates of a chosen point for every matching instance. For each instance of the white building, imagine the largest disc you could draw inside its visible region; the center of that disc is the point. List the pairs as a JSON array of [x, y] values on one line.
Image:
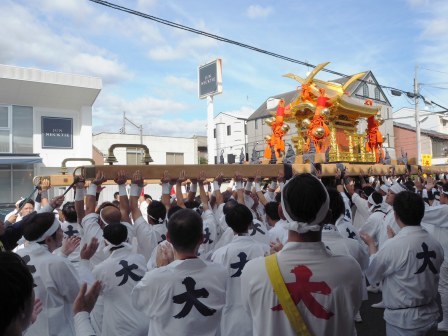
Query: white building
[[45, 117], [163, 150], [230, 135], [428, 120]]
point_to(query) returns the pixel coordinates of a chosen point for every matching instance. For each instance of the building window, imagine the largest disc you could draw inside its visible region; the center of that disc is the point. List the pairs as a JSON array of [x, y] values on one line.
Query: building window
[[175, 158], [16, 129], [134, 156], [377, 94], [229, 132], [214, 133], [439, 147], [256, 123], [365, 90], [15, 181], [245, 128]]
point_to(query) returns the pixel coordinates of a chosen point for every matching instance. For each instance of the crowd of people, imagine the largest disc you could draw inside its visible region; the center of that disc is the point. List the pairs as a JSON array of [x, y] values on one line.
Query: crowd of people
[[252, 257]]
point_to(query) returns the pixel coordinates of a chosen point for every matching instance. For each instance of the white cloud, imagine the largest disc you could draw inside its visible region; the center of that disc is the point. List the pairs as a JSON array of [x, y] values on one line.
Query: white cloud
[[257, 11], [25, 39], [182, 82], [146, 5]]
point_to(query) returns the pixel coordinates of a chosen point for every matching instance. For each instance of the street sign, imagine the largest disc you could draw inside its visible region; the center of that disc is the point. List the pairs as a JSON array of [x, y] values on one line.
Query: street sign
[[210, 79]]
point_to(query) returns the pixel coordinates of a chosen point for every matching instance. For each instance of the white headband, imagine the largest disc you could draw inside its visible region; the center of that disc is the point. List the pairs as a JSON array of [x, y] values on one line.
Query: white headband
[[397, 188], [303, 227], [384, 188], [53, 228]]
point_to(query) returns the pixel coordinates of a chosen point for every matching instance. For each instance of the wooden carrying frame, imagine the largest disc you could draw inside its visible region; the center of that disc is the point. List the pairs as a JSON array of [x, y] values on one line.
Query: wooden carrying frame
[[153, 173]]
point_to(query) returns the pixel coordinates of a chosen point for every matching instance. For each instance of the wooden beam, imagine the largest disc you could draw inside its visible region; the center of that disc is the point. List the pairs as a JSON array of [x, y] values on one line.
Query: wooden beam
[[153, 173]]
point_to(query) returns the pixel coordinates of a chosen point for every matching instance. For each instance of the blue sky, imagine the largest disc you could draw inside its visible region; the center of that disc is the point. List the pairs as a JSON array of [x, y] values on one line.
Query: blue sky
[[150, 70]]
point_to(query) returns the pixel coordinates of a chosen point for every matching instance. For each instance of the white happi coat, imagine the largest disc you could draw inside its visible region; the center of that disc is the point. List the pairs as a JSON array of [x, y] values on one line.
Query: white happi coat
[[161, 231], [435, 221], [162, 296], [233, 256], [225, 238], [259, 231], [57, 285], [210, 230], [389, 220], [373, 225], [120, 317], [409, 278], [92, 229], [340, 245], [278, 232], [362, 210], [147, 237], [334, 301], [73, 230]]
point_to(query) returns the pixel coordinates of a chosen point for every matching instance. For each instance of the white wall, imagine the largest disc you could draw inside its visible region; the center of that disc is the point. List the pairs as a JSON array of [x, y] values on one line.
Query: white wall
[[158, 146], [82, 136]]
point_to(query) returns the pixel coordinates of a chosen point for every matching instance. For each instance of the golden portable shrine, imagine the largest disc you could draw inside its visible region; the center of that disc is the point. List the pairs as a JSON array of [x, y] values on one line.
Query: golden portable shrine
[[326, 119]]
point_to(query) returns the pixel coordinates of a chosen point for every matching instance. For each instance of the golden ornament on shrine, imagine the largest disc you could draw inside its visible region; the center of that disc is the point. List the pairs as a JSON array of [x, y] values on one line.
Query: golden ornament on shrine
[[306, 122], [319, 132], [269, 121], [285, 128]]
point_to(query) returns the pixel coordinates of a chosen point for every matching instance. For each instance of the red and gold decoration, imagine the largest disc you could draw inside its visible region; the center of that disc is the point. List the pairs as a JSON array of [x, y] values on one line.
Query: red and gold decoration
[[279, 129], [326, 118]]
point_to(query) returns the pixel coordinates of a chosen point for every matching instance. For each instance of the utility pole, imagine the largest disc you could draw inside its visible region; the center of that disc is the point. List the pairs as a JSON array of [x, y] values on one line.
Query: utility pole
[[417, 117]]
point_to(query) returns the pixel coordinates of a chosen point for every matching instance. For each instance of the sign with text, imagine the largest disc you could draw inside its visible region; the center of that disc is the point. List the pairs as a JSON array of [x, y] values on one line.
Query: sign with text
[[426, 160], [57, 132], [210, 79]]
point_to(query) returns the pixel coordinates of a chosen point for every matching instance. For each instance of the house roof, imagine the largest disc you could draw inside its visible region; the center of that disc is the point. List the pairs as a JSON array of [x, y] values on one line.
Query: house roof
[[263, 112], [430, 133]]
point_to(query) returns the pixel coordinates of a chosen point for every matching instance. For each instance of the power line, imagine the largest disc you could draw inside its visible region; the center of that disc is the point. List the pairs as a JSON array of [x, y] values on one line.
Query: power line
[[239, 44]]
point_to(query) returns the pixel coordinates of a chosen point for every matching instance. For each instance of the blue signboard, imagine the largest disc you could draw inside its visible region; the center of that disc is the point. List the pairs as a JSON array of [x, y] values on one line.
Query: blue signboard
[[57, 132]]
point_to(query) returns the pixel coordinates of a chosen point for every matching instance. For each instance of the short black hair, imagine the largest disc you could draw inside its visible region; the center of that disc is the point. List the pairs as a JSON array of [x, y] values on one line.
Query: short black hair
[[16, 287], [25, 201], [191, 204], [69, 212], [239, 218], [303, 196], [157, 211], [337, 205], [368, 190], [116, 194], [377, 198], [36, 224], [185, 230], [116, 233], [146, 196], [229, 205], [409, 208], [271, 210], [173, 210]]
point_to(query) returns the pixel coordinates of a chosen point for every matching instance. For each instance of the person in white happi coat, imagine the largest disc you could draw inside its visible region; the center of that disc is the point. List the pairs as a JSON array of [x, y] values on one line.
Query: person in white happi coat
[[71, 228], [185, 296], [278, 232], [119, 274], [325, 288], [234, 256], [389, 222], [374, 223], [435, 221], [338, 244], [408, 266], [93, 220], [57, 282], [20, 308], [156, 214]]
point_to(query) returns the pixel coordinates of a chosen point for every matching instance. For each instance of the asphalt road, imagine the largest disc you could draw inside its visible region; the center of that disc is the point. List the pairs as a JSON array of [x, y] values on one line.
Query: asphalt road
[[372, 319]]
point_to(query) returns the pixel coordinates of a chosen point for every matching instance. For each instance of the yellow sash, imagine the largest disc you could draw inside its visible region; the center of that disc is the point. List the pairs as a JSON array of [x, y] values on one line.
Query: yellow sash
[[288, 305]]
